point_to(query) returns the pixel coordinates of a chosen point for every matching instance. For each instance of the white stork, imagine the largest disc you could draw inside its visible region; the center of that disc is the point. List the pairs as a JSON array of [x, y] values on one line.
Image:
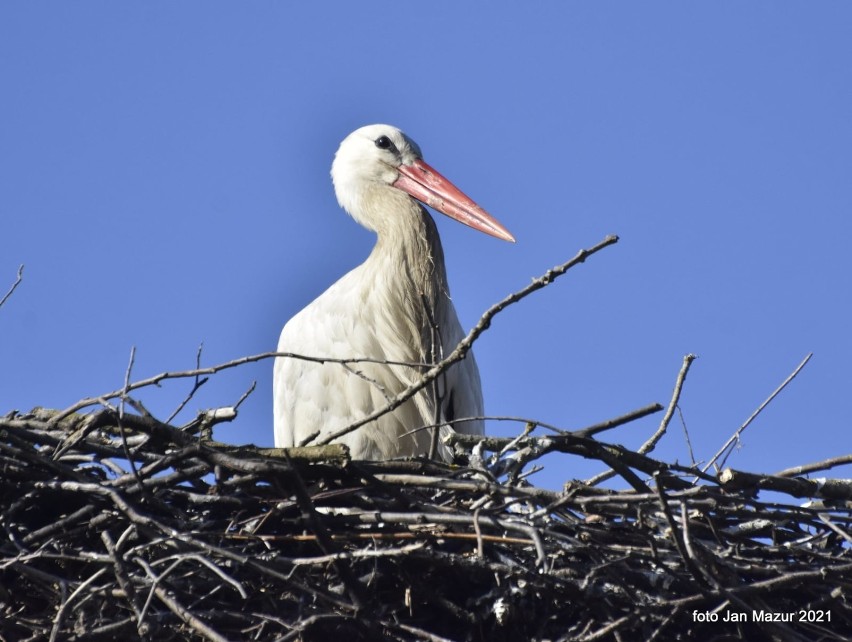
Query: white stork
[[395, 308]]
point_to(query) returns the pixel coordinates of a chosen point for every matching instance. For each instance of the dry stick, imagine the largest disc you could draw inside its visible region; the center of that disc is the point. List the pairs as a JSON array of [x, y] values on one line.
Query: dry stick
[[605, 631], [120, 417], [664, 424], [649, 445], [836, 529], [515, 419], [60, 614], [245, 395], [465, 344], [795, 471], [677, 536], [420, 633], [180, 558], [748, 421], [609, 424], [184, 374], [198, 383], [14, 285], [344, 555], [201, 627], [417, 518], [686, 437], [588, 431], [123, 578]]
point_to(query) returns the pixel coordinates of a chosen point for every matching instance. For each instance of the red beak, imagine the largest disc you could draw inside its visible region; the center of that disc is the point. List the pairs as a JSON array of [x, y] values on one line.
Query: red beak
[[425, 184]]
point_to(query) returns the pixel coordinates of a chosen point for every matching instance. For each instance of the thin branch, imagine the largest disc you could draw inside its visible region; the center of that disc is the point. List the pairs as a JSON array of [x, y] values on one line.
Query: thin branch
[[825, 464], [735, 437], [609, 424], [120, 420], [210, 370], [649, 445], [588, 431], [195, 386], [617, 457], [245, 395], [686, 436], [60, 614], [192, 620], [15, 285]]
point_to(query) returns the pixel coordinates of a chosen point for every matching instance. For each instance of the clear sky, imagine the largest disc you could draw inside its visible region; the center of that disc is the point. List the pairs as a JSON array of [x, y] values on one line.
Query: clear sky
[[164, 177]]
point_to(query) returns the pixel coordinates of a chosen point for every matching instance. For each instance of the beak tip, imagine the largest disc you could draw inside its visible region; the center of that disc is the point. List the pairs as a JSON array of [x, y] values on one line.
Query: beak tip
[[507, 236]]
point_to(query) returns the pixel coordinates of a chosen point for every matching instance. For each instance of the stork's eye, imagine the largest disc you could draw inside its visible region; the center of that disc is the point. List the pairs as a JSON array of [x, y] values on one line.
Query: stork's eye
[[383, 142]]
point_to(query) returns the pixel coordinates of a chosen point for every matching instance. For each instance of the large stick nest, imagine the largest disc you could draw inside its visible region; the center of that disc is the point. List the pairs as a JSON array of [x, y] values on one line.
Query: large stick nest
[[116, 525], [196, 540]]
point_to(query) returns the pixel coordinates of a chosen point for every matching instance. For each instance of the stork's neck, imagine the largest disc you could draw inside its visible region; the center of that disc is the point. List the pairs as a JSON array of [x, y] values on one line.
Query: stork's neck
[[406, 273], [410, 255]]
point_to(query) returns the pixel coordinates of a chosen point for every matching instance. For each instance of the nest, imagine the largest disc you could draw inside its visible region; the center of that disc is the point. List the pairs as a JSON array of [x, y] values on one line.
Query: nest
[[119, 526], [116, 525]]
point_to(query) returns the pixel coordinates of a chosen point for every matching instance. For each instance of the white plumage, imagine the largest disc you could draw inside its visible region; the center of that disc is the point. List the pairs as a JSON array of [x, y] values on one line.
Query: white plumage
[[395, 307]]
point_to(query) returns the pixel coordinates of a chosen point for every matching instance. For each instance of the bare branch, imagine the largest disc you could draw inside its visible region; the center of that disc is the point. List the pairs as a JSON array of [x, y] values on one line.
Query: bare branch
[[15, 285], [210, 370], [735, 437], [649, 445], [826, 464], [609, 424], [198, 383], [795, 486]]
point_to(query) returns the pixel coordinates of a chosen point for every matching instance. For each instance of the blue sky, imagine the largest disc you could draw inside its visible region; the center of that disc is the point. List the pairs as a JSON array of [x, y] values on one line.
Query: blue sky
[[165, 180]]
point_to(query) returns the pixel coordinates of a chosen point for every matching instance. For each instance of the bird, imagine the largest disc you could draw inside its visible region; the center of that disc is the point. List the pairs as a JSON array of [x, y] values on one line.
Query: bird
[[393, 313]]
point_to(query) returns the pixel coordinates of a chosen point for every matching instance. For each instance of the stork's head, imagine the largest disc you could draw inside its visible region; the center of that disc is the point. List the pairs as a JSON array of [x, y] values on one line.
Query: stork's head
[[378, 169]]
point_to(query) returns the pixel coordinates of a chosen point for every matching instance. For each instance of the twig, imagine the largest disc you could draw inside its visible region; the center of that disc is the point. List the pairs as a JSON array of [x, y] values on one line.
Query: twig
[[686, 436], [15, 285], [467, 520], [825, 464], [609, 424], [363, 554], [794, 486], [614, 455], [588, 431], [120, 418], [419, 633], [677, 536], [465, 344], [195, 386], [649, 445], [60, 614], [123, 579], [234, 363], [245, 395], [735, 437], [187, 616]]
